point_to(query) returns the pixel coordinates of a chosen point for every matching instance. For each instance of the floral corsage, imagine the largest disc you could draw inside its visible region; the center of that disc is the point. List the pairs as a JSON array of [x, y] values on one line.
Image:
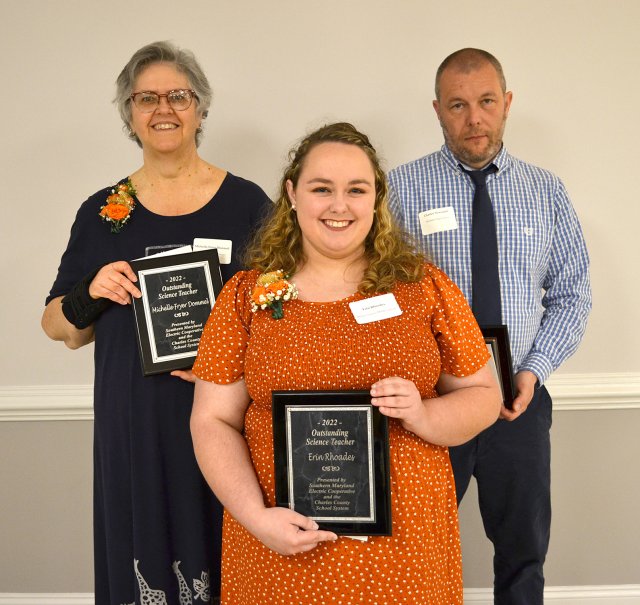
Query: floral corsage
[[119, 206], [272, 289]]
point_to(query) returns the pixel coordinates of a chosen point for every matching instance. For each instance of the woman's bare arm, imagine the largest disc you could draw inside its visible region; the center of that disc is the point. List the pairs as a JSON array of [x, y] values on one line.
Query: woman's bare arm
[[465, 406], [216, 427]]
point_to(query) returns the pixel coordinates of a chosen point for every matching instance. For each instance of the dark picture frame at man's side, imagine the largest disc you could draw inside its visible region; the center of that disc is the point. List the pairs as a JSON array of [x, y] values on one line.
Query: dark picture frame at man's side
[[497, 340]]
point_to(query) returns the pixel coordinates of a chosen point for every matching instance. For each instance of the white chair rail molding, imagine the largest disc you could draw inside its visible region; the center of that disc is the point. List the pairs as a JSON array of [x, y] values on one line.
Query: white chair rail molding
[[74, 402]]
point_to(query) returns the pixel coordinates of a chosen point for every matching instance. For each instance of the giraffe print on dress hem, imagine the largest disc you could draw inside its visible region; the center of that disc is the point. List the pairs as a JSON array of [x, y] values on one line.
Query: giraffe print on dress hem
[[149, 596]]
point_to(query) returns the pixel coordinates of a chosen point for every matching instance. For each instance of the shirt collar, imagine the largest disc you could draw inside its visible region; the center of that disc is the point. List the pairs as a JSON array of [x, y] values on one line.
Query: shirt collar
[[502, 160]]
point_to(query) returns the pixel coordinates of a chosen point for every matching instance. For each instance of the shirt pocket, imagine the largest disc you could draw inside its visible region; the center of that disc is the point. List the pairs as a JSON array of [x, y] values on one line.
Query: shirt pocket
[[525, 238]]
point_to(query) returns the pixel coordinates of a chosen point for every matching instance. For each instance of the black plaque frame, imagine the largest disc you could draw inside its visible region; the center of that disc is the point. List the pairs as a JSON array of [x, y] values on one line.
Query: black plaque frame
[[497, 341], [286, 403], [203, 265]]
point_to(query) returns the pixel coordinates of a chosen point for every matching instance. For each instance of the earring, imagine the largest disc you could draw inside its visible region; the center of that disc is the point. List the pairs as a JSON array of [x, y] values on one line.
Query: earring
[[293, 207]]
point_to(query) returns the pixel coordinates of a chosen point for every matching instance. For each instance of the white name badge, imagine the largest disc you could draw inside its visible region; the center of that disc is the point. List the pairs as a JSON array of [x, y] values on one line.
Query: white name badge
[[437, 220], [223, 246], [376, 308]]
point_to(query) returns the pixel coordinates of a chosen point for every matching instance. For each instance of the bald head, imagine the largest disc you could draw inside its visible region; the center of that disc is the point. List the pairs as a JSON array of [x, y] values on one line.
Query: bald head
[[466, 61]]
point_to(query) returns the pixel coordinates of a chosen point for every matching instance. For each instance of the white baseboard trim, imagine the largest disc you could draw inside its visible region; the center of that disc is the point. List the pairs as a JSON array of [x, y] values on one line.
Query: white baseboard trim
[[75, 402], [628, 594], [73, 598]]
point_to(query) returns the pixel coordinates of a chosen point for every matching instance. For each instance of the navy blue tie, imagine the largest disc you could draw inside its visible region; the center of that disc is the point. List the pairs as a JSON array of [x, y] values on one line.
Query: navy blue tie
[[485, 278]]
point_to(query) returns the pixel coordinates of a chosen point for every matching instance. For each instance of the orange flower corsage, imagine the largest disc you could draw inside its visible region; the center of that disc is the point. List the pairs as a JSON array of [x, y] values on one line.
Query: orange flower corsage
[[271, 290], [119, 206]]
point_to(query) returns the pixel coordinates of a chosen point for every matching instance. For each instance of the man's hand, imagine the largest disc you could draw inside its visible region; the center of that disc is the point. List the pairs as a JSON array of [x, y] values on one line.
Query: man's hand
[[525, 386]]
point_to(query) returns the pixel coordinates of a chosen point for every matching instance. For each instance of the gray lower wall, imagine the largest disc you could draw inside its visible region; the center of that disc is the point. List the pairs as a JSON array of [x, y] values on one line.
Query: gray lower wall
[[45, 470], [595, 533], [46, 475]]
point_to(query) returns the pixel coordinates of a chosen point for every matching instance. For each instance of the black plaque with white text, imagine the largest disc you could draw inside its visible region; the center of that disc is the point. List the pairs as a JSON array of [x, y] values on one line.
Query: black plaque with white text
[[331, 454], [178, 292]]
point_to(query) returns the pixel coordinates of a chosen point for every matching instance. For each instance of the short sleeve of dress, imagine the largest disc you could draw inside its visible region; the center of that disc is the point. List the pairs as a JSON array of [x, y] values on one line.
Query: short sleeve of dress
[[77, 259], [225, 336], [462, 348]]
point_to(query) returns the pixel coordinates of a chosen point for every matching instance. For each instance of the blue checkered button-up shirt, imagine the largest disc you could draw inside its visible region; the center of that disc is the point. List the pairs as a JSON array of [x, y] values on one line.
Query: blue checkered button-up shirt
[[543, 260]]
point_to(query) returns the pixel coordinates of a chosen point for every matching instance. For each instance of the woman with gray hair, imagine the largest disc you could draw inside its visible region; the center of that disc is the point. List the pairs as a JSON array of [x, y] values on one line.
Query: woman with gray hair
[[156, 523]]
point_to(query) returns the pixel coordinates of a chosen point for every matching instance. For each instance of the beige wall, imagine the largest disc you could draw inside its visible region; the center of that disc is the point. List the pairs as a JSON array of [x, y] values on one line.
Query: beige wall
[[279, 69]]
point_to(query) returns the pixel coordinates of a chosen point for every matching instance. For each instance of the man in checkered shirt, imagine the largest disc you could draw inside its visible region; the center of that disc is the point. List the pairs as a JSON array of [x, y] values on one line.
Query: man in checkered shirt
[[545, 299]]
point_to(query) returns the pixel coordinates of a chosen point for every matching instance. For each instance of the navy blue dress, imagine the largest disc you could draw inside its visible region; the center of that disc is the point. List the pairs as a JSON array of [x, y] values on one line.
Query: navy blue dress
[[157, 526]]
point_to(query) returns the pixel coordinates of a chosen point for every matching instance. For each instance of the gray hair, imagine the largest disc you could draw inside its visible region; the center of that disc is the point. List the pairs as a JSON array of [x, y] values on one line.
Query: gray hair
[[161, 52], [467, 60]]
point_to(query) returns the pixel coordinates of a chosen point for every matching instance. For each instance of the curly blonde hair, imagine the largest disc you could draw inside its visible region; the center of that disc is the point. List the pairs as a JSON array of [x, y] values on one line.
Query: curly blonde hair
[[278, 243]]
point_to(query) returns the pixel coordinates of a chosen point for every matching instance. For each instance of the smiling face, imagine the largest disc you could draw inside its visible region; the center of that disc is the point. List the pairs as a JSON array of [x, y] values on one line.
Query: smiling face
[[334, 200], [164, 130], [473, 111]]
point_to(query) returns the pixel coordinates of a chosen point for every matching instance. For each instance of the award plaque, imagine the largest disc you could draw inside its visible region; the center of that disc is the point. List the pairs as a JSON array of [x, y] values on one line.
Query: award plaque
[[497, 341], [331, 454], [178, 292]]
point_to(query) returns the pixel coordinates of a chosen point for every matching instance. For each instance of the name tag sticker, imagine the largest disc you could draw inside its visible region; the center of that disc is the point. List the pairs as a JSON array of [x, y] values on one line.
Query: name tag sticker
[[223, 246], [438, 219], [375, 309]]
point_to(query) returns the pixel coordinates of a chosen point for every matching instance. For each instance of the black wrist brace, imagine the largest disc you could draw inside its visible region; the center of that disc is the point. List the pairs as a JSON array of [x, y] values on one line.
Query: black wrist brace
[[79, 308]]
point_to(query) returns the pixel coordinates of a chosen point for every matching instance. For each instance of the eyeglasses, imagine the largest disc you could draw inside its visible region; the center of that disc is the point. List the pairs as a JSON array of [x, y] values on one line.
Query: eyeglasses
[[148, 101]]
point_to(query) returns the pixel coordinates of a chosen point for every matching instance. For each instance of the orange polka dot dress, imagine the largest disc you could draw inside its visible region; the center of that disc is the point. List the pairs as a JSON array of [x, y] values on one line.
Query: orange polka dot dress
[[320, 346]]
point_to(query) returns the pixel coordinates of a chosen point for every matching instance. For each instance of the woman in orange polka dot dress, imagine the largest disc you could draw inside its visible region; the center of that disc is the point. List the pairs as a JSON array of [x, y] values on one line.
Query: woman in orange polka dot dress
[[332, 234]]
